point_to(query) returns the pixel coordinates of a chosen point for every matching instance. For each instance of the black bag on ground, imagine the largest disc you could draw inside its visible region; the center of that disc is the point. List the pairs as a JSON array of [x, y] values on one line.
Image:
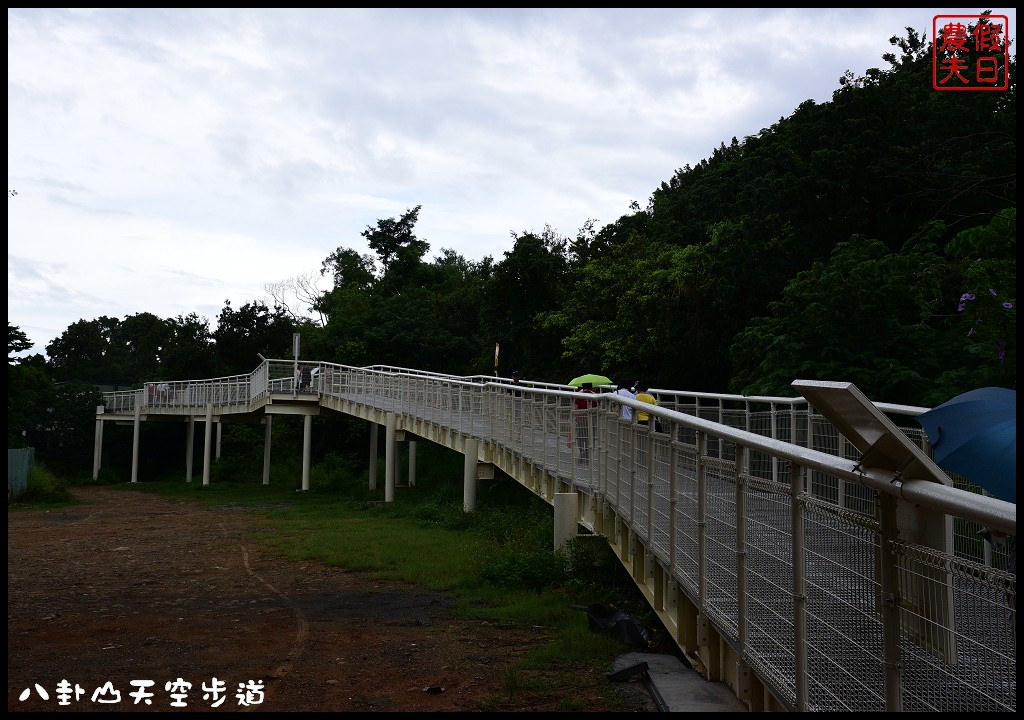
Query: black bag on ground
[[605, 618]]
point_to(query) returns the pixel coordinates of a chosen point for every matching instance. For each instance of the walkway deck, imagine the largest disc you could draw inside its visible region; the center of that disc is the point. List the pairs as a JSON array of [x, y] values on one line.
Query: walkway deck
[[763, 557]]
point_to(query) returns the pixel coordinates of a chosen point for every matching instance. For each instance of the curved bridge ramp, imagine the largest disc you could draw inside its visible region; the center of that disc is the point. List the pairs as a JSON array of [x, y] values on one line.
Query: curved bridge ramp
[[804, 568]]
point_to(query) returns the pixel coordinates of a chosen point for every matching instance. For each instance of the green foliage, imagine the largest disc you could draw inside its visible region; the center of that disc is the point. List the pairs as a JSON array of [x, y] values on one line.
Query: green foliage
[[80, 352], [587, 557], [67, 442], [190, 352], [238, 469], [349, 269], [528, 281], [253, 328], [986, 259], [44, 487], [525, 569], [30, 395], [399, 250], [884, 303], [17, 341], [336, 474], [135, 349]]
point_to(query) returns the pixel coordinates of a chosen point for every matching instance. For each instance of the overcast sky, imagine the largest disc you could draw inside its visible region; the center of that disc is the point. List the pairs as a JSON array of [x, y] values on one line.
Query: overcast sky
[[165, 161]]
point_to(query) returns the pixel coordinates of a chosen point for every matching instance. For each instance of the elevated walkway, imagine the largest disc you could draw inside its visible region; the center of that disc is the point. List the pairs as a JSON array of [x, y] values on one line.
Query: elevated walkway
[[789, 563]]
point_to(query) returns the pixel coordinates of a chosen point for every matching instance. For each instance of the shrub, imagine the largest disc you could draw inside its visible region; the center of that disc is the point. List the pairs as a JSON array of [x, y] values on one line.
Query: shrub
[[233, 469], [525, 569], [45, 487]]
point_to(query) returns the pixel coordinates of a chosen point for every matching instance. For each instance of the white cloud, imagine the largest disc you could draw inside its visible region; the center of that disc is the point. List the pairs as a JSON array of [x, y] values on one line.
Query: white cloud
[[167, 160]]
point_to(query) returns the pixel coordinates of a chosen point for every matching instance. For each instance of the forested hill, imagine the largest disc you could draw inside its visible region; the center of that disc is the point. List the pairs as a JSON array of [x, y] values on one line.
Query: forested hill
[[869, 239], [822, 248]]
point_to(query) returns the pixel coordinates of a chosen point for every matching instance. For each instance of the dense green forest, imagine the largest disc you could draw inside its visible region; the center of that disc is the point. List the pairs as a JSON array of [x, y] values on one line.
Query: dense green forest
[[870, 239]]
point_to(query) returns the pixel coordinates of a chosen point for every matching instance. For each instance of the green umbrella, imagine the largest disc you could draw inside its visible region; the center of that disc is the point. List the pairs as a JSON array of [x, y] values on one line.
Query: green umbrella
[[594, 380]]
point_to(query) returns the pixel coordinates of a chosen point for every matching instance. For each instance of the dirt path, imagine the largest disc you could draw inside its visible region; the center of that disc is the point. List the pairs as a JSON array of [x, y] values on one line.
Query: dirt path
[[129, 586]]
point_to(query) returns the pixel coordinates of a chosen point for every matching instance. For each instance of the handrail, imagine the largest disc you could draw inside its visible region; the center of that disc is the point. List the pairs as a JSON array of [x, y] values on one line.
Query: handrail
[[730, 501]]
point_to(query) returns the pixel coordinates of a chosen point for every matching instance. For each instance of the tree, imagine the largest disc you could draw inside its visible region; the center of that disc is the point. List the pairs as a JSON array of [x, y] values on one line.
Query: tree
[[984, 292], [17, 341], [82, 352], [190, 351], [136, 347], [349, 270], [528, 281], [303, 288], [866, 315], [399, 250], [431, 324], [253, 328], [67, 443], [30, 395]]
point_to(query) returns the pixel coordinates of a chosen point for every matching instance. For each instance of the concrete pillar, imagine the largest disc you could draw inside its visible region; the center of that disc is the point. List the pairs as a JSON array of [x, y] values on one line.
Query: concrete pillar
[[190, 437], [135, 442], [220, 428], [266, 450], [207, 437], [389, 457], [373, 456], [469, 476], [97, 447], [398, 464], [412, 463], [307, 436], [566, 520]]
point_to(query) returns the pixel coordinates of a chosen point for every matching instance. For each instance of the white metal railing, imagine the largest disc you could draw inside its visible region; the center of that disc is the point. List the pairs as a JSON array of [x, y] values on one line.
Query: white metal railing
[[225, 392], [756, 509]]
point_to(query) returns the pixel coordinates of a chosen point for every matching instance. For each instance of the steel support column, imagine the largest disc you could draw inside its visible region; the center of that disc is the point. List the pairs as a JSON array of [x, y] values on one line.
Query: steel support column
[[135, 442], [266, 450], [469, 481], [412, 463], [389, 457], [373, 456], [97, 448], [307, 441], [190, 437], [207, 438]]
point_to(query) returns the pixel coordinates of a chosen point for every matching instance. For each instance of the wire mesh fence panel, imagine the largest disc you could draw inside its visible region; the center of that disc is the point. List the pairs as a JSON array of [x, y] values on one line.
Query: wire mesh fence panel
[[660, 519], [565, 455], [687, 522], [760, 422], [720, 544], [641, 479], [613, 460], [844, 629], [959, 647], [770, 624]]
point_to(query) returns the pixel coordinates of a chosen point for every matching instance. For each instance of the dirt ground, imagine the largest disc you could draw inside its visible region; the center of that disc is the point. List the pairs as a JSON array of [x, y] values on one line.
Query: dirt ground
[[130, 586]]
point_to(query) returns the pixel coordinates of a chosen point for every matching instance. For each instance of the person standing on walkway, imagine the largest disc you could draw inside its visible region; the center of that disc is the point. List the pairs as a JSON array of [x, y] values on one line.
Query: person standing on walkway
[[583, 408], [645, 397], [624, 391], [516, 392]]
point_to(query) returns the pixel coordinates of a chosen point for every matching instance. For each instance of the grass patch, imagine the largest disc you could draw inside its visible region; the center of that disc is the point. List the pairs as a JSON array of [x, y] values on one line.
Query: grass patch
[[497, 561], [44, 489]]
